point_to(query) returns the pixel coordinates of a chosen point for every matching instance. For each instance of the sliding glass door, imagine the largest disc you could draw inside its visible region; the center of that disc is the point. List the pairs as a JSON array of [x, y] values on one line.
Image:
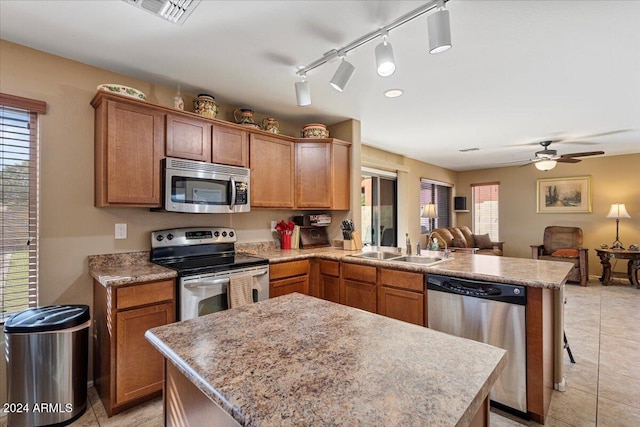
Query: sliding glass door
[[379, 214]]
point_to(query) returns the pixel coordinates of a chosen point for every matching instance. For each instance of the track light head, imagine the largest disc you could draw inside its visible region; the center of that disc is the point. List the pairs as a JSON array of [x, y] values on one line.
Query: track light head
[[342, 75], [385, 62], [303, 92], [439, 29]]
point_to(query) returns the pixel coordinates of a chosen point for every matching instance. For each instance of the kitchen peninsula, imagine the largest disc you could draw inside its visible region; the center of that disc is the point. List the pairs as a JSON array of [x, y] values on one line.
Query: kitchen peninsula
[[298, 360]]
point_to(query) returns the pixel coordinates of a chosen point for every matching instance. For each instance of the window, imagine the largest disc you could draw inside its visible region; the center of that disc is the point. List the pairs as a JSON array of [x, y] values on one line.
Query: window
[[485, 209], [378, 200], [18, 203], [439, 194]]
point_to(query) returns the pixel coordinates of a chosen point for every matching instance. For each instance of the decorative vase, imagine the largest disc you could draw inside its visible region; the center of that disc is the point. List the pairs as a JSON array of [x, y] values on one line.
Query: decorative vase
[[206, 106], [285, 241], [244, 117], [315, 130], [271, 125], [178, 101]]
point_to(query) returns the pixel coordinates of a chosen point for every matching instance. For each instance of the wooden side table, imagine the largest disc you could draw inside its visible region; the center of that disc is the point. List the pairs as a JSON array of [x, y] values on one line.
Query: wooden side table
[[632, 267]]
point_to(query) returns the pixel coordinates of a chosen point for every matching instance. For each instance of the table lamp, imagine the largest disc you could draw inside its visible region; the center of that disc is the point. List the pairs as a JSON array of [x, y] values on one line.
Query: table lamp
[[429, 211], [618, 211]]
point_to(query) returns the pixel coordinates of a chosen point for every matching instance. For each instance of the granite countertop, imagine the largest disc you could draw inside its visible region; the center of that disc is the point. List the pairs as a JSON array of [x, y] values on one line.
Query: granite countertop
[[126, 268], [515, 271], [298, 360]]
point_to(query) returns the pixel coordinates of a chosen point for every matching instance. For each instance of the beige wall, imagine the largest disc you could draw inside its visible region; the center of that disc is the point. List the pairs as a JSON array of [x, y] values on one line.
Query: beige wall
[[70, 226], [613, 179]]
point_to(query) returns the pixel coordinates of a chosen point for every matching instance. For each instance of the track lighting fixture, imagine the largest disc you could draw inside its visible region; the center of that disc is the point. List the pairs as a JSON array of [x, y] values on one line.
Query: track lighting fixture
[[439, 29], [385, 62], [303, 92], [342, 75]]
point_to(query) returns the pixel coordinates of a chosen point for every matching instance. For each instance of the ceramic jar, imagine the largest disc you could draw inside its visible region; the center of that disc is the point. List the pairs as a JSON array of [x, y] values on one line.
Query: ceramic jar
[[315, 130], [244, 117], [271, 125], [206, 106]]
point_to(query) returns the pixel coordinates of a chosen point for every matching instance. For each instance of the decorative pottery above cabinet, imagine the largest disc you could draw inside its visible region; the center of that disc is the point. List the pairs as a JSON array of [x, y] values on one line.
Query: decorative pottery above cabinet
[[132, 137]]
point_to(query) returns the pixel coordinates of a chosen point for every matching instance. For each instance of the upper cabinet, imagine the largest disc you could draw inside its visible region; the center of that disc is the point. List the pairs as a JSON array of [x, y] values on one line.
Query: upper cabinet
[[322, 174], [188, 138], [230, 146], [272, 178], [129, 144]]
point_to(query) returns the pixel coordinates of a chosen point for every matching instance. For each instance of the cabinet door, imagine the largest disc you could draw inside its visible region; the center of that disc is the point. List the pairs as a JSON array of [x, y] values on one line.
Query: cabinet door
[[402, 305], [341, 176], [188, 138], [313, 175], [139, 366], [230, 146], [128, 172], [359, 295], [330, 288], [271, 172], [286, 286]]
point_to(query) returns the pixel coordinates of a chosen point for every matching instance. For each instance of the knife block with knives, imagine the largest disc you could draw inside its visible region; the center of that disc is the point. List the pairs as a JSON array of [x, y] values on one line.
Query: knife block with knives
[[352, 240]]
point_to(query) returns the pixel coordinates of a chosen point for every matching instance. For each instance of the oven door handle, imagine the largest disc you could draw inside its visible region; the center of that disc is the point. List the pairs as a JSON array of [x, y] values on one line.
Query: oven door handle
[[202, 284]]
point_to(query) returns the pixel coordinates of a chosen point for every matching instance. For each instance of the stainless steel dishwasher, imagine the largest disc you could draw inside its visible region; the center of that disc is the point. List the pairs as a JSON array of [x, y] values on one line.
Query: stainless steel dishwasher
[[492, 313]]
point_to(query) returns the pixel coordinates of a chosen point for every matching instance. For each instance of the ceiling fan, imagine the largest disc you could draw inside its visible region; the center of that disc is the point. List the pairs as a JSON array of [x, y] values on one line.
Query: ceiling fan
[[546, 159]]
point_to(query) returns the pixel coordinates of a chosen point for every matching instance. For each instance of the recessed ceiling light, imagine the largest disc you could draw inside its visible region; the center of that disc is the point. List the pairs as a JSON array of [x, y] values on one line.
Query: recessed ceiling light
[[393, 93]]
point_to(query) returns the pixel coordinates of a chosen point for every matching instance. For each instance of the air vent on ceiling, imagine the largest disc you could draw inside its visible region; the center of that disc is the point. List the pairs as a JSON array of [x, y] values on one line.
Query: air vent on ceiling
[[466, 150], [176, 11]]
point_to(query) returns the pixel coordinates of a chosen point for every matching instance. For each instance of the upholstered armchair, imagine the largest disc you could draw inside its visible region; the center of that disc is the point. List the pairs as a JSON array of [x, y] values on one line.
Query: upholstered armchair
[[564, 244]]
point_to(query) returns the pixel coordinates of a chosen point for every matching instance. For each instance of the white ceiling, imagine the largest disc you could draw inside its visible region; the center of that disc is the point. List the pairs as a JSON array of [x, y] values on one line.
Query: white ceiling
[[519, 71]]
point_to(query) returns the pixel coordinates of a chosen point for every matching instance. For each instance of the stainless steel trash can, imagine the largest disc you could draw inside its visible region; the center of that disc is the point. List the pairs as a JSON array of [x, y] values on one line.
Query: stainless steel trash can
[[47, 354]]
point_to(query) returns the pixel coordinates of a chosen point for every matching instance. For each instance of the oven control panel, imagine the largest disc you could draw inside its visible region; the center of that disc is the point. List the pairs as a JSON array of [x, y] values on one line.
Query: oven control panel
[[192, 236]]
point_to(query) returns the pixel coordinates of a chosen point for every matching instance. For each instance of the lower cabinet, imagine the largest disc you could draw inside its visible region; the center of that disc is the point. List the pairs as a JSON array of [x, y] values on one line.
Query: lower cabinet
[[358, 288], [329, 281], [289, 277], [402, 296], [127, 370]]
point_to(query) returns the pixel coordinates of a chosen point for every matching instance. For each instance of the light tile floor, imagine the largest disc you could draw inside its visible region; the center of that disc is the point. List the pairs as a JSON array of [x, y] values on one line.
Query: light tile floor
[[602, 324]]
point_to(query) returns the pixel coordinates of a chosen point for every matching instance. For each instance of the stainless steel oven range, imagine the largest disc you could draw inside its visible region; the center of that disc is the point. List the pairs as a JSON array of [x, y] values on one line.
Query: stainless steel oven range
[[205, 259]]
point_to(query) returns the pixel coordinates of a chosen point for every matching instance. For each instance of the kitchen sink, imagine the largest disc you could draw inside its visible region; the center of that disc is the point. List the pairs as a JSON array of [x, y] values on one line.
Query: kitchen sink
[[378, 255], [418, 259]]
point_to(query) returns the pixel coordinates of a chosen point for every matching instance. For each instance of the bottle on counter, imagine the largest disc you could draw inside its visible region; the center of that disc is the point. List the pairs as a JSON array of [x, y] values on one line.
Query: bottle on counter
[[434, 244], [408, 243]]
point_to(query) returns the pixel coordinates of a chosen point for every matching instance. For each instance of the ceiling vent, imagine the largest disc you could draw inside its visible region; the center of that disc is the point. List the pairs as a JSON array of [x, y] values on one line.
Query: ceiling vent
[[176, 11]]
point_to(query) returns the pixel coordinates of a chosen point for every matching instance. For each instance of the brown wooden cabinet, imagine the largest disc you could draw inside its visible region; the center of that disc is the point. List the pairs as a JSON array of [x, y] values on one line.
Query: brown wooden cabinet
[[329, 280], [230, 146], [402, 296], [289, 277], [127, 370], [358, 287], [129, 144], [272, 178], [188, 138], [323, 174]]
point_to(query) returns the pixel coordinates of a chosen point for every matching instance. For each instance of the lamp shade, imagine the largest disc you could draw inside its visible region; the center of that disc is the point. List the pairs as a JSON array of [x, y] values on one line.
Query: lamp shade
[[546, 165], [429, 211], [342, 75], [618, 210], [303, 93]]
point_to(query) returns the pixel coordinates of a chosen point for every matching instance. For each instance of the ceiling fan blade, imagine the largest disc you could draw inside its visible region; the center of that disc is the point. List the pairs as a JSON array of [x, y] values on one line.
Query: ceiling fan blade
[[583, 154], [568, 160], [595, 135]]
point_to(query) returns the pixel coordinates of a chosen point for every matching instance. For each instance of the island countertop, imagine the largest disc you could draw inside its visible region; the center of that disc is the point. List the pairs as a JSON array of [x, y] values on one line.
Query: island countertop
[[297, 360]]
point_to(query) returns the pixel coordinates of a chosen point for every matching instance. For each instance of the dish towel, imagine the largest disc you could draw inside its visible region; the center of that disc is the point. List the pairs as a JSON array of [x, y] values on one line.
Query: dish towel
[[240, 291]]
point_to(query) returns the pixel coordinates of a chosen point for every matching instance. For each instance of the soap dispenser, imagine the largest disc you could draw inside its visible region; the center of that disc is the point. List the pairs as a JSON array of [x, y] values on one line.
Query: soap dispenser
[[408, 243]]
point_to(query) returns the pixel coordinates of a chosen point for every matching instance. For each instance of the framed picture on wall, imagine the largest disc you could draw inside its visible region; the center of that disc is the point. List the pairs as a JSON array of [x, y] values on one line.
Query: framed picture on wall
[[564, 195]]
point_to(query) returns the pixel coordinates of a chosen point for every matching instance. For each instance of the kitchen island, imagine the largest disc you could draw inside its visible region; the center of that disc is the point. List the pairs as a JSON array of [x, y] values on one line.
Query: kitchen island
[[298, 360]]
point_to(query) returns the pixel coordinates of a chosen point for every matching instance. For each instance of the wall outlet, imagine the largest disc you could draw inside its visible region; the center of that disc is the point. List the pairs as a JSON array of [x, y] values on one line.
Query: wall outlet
[[121, 231], [273, 225]]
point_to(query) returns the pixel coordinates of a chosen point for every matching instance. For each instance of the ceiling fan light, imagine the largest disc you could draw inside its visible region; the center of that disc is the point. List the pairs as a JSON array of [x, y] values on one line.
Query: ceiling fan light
[[439, 30], [385, 61], [546, 165], [342, 76]]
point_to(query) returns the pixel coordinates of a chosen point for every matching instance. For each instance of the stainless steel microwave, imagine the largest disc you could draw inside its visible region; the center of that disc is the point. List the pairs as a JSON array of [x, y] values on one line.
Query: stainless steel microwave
[[200, 187]]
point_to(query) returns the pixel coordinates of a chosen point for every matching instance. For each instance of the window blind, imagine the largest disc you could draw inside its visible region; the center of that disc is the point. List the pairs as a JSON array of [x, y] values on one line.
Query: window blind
[[440, 195], [486, 203], [18, 208]]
